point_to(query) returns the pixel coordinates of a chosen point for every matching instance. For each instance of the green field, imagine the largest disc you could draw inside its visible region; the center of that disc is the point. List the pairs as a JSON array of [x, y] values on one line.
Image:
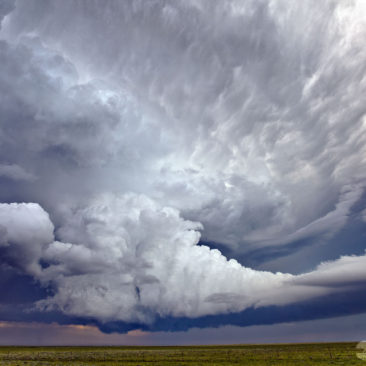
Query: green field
[[279, 355]]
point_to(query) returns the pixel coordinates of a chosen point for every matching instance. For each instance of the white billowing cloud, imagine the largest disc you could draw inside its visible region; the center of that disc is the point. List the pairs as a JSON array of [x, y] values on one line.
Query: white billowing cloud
[[127, 258], [25, 229], [348, 273], [346, 270]]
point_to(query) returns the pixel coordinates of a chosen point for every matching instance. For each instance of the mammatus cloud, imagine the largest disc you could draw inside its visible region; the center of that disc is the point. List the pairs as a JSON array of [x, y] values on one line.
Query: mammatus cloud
[[256, 124], [140, 127]]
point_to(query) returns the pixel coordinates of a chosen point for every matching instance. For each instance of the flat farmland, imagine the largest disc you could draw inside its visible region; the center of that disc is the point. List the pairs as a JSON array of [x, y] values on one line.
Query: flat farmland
[[319, 354]]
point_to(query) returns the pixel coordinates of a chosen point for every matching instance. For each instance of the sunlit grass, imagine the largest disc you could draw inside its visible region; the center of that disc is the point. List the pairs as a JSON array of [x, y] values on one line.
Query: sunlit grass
[[256, 355]]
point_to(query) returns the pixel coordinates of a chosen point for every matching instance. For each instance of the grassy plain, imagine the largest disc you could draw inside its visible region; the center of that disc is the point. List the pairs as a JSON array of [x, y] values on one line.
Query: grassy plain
[[319, 354]]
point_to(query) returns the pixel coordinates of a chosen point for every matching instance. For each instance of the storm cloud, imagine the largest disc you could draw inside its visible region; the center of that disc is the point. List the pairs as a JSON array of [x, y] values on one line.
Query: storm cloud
[[137, 136]]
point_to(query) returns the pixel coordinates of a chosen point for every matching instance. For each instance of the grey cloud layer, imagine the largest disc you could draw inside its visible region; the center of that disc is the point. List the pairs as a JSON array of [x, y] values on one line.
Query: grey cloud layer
[[257, 104], [242, 122]]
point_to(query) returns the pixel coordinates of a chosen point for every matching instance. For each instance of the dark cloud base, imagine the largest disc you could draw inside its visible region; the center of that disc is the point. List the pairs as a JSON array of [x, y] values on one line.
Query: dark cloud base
[[19, 291]]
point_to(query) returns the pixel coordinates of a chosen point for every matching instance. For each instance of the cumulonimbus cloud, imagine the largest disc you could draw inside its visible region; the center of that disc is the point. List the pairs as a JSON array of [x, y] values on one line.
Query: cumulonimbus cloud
[[125, 258], [155, 127]]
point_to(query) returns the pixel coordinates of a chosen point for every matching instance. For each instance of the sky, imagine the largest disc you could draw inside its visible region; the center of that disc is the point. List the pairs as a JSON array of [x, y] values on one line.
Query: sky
[[186, 172]]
